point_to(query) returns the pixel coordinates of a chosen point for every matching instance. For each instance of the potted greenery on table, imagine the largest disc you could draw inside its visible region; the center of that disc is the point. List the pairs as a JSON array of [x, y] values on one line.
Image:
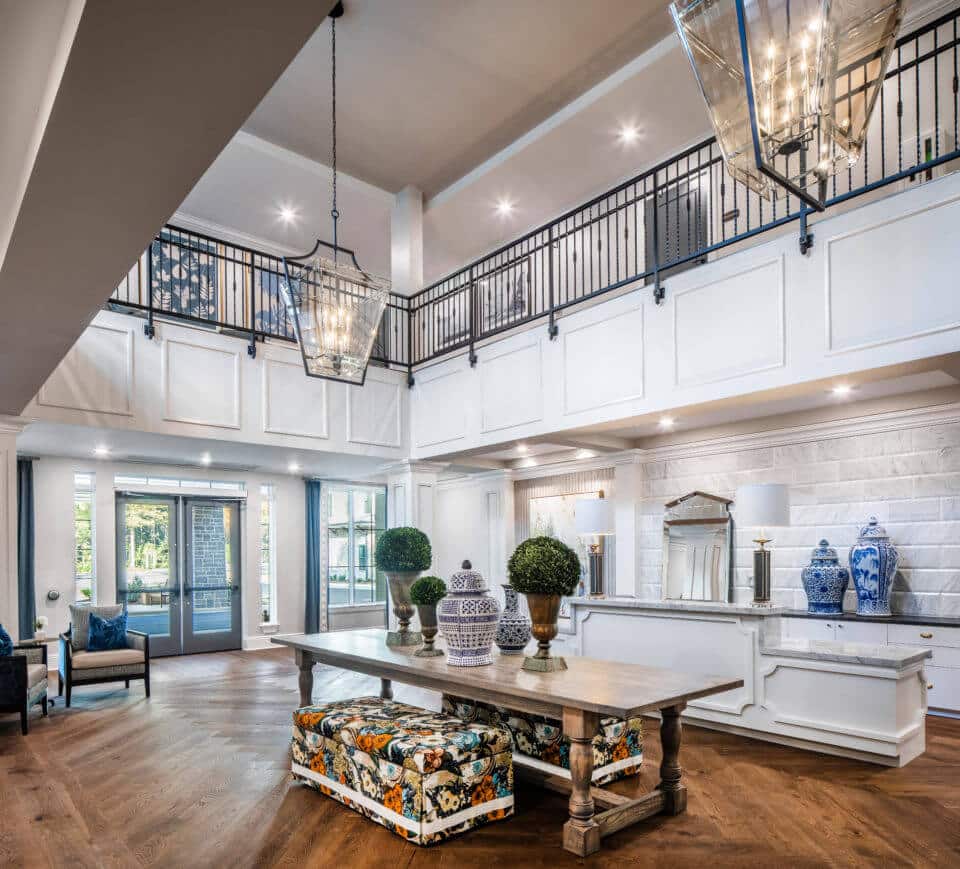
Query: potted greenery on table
[[426, 593], [545, 570], [403, 554]]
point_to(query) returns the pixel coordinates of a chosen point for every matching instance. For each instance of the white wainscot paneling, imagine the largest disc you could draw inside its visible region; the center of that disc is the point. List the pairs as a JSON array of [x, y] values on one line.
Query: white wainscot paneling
[[293, 404], [200, 384], [373, 412], [603, 362], [730, 327], [511, 385], [894, 280], [96, 375], [439, 407]]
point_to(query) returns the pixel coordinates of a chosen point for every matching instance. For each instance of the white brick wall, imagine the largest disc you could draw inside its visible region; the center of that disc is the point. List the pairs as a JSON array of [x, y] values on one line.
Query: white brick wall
[[908, 476]]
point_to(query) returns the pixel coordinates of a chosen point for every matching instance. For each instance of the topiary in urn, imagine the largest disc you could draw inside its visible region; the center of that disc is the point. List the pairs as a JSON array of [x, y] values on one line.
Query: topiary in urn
[[426, 593], [403, 554], [545, 570]]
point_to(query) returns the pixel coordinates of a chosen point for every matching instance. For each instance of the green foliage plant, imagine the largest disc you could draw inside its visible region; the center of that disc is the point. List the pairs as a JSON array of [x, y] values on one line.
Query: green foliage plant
[[544, 565], [428, 591], [403, 550]]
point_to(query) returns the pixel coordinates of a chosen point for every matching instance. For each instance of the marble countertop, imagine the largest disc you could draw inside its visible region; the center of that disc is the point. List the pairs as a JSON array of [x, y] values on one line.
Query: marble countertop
[[894, 657], [696, 606], [895, 619]]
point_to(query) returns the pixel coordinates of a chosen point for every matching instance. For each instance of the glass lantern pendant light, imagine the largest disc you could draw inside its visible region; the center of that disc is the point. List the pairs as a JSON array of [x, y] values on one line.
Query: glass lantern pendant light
[[790, 85], [336, 307]]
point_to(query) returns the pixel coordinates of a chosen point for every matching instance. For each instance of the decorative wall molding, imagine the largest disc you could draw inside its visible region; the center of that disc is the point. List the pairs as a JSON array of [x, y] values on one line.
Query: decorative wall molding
[[393, 436], [530, 410], [269, 410], [231, 419], [452, 425], [74, 400]]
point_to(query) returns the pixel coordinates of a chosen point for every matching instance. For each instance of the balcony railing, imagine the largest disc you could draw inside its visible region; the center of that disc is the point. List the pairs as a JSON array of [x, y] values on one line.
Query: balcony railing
[[235, 289], [687, 209], [680, 213]]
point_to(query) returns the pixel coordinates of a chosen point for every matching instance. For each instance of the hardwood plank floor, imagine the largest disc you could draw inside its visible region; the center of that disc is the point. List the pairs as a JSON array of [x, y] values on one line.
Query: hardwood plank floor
[[197, 776]]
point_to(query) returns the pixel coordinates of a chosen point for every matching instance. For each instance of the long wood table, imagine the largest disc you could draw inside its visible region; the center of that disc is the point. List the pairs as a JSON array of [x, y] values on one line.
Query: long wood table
[[579, 696]]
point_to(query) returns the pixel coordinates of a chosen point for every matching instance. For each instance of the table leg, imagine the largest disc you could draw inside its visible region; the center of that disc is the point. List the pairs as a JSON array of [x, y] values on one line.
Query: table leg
[[674, 793], [581, 834], [305, 663], [386, 689]]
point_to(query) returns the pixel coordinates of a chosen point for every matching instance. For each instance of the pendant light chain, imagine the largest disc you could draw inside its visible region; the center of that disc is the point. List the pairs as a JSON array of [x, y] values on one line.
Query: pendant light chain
[[334, 212]]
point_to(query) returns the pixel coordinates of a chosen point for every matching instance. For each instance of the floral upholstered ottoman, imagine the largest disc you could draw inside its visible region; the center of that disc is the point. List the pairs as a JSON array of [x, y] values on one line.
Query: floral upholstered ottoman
[[424, 775], [617, 747]]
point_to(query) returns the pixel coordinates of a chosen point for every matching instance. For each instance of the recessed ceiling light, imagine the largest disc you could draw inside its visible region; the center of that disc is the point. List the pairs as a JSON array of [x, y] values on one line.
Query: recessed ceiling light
[[666, 422], [842, 390], [504, 208], [205, 459], [585, 454], [287, 214], [522, 449], [293, 467], [101, 450], [628, 134]]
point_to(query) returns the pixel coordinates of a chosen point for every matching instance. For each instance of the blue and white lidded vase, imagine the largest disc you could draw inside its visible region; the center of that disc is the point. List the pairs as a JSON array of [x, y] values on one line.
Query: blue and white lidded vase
[[825, 580], [515, 629], [468, 619], [873, 565]]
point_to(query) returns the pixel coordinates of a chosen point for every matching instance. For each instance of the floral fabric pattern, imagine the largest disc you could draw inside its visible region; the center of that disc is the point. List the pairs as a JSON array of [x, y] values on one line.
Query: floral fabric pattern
[[617, 748], [423, 775]]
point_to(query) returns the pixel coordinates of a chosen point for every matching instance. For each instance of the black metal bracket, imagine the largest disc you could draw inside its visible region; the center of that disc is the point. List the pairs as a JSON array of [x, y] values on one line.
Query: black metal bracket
[[410, 379], [472, 358], [148, 329], [252, 348], [659, 290], [806, 237], [552, 328]]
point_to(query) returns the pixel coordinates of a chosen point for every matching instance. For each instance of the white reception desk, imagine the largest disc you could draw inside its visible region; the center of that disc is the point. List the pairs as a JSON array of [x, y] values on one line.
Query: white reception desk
[[851, 699]]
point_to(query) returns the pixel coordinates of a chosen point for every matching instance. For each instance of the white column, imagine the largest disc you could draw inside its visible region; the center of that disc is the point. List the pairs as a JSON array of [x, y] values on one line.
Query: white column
[[628, 477], [500, 536], [406, 242], [10, 427]]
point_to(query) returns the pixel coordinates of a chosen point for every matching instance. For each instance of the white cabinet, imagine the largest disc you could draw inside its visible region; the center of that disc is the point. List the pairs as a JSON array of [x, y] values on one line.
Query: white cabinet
[[862, 632], [835, 630]]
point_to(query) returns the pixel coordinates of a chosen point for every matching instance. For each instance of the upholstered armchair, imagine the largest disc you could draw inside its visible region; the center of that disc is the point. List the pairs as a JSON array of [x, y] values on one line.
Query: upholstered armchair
[[78, 666], [23, 681]]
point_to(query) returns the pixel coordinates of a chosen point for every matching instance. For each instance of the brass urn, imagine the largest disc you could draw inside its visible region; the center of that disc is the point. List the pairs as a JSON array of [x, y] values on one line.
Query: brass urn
[[544, 610]]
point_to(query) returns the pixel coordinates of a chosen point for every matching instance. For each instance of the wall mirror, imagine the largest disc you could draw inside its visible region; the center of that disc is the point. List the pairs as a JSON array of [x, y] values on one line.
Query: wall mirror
[[697, 548]]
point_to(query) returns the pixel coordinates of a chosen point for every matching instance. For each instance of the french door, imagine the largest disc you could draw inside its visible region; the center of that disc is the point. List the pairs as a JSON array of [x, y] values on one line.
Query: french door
[[178, 571]]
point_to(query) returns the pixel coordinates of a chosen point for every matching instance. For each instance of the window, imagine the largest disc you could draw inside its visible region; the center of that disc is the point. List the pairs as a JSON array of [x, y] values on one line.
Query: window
[[268, 557], [84, 561], [133, 481], [355, 517]]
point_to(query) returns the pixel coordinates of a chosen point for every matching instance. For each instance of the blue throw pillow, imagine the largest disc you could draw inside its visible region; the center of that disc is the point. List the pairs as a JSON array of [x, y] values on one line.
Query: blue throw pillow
[[6, 644], [107, 634]]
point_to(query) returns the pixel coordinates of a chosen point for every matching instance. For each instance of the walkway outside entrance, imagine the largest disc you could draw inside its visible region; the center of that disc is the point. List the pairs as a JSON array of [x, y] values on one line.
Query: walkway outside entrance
[[178, 571]]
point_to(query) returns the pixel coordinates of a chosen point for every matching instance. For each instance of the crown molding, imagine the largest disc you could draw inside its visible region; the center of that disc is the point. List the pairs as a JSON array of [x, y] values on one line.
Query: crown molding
[[476, 480], [411, 466], [10, 424]]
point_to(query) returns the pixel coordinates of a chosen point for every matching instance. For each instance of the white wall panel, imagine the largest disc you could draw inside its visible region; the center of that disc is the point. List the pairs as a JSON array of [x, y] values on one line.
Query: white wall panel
[[511, 384], [603, 362], [894, 280], [96, 375], [293, 404], [200, 384], [439, 407], [374, 412], [730, 327]]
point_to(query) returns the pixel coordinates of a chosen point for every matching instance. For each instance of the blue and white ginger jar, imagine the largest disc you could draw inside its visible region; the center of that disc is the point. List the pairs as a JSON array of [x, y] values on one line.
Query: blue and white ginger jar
[[873, 565], [825, 580], [468, 619]]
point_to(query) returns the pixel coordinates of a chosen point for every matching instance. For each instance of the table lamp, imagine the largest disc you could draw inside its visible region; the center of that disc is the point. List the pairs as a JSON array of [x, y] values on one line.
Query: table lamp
[[594, 518], [762, 506]]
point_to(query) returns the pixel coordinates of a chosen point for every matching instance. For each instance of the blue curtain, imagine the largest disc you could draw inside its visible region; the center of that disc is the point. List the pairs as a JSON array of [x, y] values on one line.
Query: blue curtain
[[27, 594], [311, 616]]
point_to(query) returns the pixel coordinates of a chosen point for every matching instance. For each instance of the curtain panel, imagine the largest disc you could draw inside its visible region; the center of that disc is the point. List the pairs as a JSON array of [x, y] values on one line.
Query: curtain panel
[[25, 550], [315, 605]]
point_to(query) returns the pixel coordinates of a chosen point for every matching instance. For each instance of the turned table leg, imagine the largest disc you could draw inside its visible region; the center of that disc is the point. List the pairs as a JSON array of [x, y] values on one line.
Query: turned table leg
[[305, 663], [581, 834], [386, 689], [674, 793]]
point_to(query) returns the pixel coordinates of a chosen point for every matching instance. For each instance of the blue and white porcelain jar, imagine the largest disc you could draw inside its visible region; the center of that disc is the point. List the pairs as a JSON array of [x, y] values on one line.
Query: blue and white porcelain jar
[[873, 565], [825, 580], [514, 630], [468, 619]]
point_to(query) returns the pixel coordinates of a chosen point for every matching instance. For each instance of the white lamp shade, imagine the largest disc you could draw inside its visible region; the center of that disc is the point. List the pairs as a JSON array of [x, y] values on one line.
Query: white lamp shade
[[594, 516], [763, 505]]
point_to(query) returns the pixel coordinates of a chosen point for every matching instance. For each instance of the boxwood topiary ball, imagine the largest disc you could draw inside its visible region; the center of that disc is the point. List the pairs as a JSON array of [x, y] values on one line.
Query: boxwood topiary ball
[[544, 565], [428, 591], [403, 550]]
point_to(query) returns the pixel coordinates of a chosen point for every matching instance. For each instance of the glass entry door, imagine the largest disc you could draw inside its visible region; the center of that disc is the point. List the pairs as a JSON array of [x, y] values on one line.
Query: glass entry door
[[178, 571]]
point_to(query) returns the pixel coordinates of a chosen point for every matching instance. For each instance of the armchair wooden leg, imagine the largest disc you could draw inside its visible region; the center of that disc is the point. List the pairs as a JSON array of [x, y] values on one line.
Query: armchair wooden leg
[[146, 682], [23, 718], [69, 687], [126, 683], [43, 705], [59, 685]]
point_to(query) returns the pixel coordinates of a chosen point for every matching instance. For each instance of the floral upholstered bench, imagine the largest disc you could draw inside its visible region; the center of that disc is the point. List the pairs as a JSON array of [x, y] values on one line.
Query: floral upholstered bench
[[617, 747], [424, 775]]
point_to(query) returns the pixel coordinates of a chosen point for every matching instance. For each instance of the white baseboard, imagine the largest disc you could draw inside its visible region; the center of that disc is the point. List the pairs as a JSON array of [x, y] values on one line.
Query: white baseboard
[[259, 642]]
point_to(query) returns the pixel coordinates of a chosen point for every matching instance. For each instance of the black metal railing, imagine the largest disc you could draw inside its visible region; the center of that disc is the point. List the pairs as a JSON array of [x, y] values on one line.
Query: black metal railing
[[194, 277], [688, 208]]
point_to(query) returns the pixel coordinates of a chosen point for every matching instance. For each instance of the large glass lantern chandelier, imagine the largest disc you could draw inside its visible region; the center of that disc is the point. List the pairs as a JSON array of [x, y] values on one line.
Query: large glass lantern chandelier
[[335, 306], [790, 85]]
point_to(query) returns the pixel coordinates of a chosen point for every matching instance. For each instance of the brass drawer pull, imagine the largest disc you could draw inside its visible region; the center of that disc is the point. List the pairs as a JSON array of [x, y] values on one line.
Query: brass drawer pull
[[926, 635], [929, 686]]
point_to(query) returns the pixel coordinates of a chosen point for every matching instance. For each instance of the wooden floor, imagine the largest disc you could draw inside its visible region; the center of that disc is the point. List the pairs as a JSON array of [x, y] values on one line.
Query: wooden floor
[[197, 776]]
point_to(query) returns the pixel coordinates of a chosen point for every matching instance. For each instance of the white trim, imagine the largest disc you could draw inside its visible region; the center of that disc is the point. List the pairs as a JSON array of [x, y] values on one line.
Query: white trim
[[166, 390], [419, 828], [536, 413], [553, 769], [353, 390], [261, 642], [322, 434]]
